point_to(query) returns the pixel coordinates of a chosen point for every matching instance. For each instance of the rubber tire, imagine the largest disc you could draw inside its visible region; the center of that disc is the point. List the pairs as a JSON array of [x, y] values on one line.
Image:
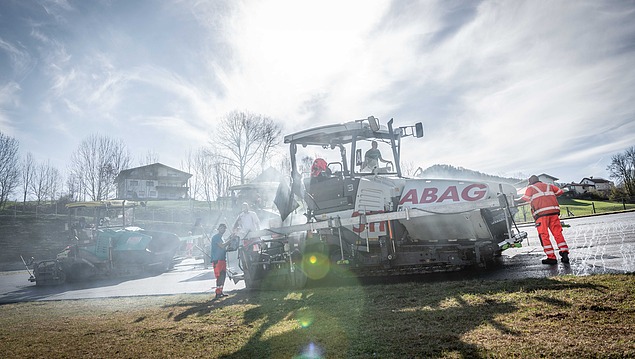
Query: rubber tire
[[250, 283]]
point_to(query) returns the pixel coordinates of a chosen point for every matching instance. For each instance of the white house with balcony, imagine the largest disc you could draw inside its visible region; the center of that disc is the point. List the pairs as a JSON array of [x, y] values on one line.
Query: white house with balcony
[[155, 181], [591, 184], [598, 184]]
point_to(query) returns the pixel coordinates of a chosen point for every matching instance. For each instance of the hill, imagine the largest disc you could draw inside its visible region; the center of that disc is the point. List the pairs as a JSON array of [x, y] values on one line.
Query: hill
[[452, 172]]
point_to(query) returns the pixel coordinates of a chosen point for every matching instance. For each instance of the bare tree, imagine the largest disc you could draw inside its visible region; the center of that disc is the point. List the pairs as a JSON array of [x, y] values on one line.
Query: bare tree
[[305, 164], [188, 166], [284, 165], [222, 177], [212, 175], [39, 183], [151, 157], [408, 168], [53, 182], [622, 168], [204, 175], [9, 167], [45, 182], [28, 167], [96, 163], [73, 186], [245, 140], [270, 139]]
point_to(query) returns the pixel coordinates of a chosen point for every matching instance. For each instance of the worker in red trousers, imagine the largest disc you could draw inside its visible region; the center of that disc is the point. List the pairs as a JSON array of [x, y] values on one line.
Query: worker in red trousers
[[546, 212]]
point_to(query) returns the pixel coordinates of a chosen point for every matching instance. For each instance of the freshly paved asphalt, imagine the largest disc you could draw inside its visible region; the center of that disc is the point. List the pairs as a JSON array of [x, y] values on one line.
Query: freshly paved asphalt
[[598, 244]]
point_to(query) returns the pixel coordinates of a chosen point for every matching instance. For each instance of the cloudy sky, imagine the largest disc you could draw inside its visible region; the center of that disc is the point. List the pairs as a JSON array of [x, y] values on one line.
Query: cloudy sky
[[502, 87]]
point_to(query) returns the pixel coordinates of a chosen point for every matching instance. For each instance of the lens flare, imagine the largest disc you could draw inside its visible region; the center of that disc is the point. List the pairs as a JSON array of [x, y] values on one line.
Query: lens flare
[[304, 317], [316, 265], [311, 351]]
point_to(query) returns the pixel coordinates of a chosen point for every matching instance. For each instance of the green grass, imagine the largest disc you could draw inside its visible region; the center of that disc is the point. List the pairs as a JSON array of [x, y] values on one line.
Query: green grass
[[581, 207], [578, 207], [569, 317]]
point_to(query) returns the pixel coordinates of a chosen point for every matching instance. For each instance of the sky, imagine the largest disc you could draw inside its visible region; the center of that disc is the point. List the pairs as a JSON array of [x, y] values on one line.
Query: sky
[[508, 88]]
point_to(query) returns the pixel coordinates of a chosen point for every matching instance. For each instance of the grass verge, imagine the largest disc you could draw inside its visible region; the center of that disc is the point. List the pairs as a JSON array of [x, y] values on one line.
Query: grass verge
[[567, 316], [571, 208]]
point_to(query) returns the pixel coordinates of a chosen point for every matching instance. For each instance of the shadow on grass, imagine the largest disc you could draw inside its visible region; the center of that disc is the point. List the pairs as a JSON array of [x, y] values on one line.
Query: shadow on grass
[[199, 309], [405, 319]]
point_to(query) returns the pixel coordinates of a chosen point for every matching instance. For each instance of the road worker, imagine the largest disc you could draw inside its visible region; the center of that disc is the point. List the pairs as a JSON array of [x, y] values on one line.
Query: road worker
[[219, 259], [246, 222], [546, 212]]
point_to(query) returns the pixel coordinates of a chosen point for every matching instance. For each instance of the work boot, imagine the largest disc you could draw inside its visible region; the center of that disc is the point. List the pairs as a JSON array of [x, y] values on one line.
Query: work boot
[[550, 261], [565, 257]]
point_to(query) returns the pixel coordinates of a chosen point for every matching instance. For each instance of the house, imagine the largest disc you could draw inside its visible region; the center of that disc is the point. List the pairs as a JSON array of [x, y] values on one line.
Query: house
[[598, 184], [545, 178], [590, 184], [575, 188], [155, 181]]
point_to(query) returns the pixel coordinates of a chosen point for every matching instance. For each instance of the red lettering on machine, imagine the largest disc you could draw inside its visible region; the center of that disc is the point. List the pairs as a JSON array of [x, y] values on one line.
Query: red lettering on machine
[[473, 192]]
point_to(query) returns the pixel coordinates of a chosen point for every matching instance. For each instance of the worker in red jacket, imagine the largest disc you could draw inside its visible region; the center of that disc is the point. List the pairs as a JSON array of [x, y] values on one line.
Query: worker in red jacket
[[546, 212]]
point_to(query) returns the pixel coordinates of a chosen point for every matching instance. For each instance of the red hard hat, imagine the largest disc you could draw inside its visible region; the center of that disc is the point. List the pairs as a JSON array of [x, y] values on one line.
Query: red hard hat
[[319, 166]]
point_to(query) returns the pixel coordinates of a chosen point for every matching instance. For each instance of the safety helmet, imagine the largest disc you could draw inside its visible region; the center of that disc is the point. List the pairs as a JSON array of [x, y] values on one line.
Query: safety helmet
[[319, 166]]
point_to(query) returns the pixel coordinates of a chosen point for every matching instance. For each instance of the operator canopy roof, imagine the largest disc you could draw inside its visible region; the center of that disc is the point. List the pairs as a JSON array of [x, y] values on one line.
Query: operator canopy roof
[[338, 134]]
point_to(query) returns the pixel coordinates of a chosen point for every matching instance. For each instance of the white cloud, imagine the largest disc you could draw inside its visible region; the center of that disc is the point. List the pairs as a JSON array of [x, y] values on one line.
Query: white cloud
[[8, 100], [286, 53], [502, 87], [534, 90]]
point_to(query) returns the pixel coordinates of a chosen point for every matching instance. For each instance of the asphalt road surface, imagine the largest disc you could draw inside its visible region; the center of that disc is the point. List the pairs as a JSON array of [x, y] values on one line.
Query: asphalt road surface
[[598, 244]]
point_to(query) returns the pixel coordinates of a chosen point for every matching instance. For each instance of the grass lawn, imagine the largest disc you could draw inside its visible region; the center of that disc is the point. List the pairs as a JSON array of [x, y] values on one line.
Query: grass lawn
[[581, 207], [572, 317], [578, 207]]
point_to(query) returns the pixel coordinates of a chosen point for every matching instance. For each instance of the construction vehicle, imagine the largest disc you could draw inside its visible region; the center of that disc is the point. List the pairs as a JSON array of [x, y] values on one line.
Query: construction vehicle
[[106, 247], [355, 217]]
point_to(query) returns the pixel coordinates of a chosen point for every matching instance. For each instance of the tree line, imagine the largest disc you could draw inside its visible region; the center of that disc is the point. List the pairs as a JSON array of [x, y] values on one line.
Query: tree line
[[242, 145]]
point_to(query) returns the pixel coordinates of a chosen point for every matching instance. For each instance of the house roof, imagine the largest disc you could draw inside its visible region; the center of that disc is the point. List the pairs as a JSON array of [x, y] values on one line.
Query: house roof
[[595, 180], [548, 176], [129, 170]]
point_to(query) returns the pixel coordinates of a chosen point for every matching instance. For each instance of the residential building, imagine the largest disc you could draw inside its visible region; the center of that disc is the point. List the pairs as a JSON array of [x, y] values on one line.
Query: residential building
[[591, 184], [575, 188], [598, 184], [545, 178], [155, 181]]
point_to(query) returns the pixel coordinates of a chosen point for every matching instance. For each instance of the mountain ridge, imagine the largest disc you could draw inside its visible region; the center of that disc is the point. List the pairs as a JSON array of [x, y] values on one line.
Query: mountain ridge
[[442, 171]]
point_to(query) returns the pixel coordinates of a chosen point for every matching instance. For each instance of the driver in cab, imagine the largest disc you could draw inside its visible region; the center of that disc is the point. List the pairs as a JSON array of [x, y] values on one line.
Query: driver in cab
[[373, 157]]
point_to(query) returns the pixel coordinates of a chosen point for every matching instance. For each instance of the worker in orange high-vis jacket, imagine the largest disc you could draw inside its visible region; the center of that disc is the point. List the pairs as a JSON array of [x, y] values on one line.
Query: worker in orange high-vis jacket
[[546, 212]]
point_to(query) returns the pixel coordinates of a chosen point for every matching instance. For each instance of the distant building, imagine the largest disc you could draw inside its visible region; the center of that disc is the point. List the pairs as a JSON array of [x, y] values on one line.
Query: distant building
[[155, 181], [598, 184], [545, 178], [590, 184], [575, 188]]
